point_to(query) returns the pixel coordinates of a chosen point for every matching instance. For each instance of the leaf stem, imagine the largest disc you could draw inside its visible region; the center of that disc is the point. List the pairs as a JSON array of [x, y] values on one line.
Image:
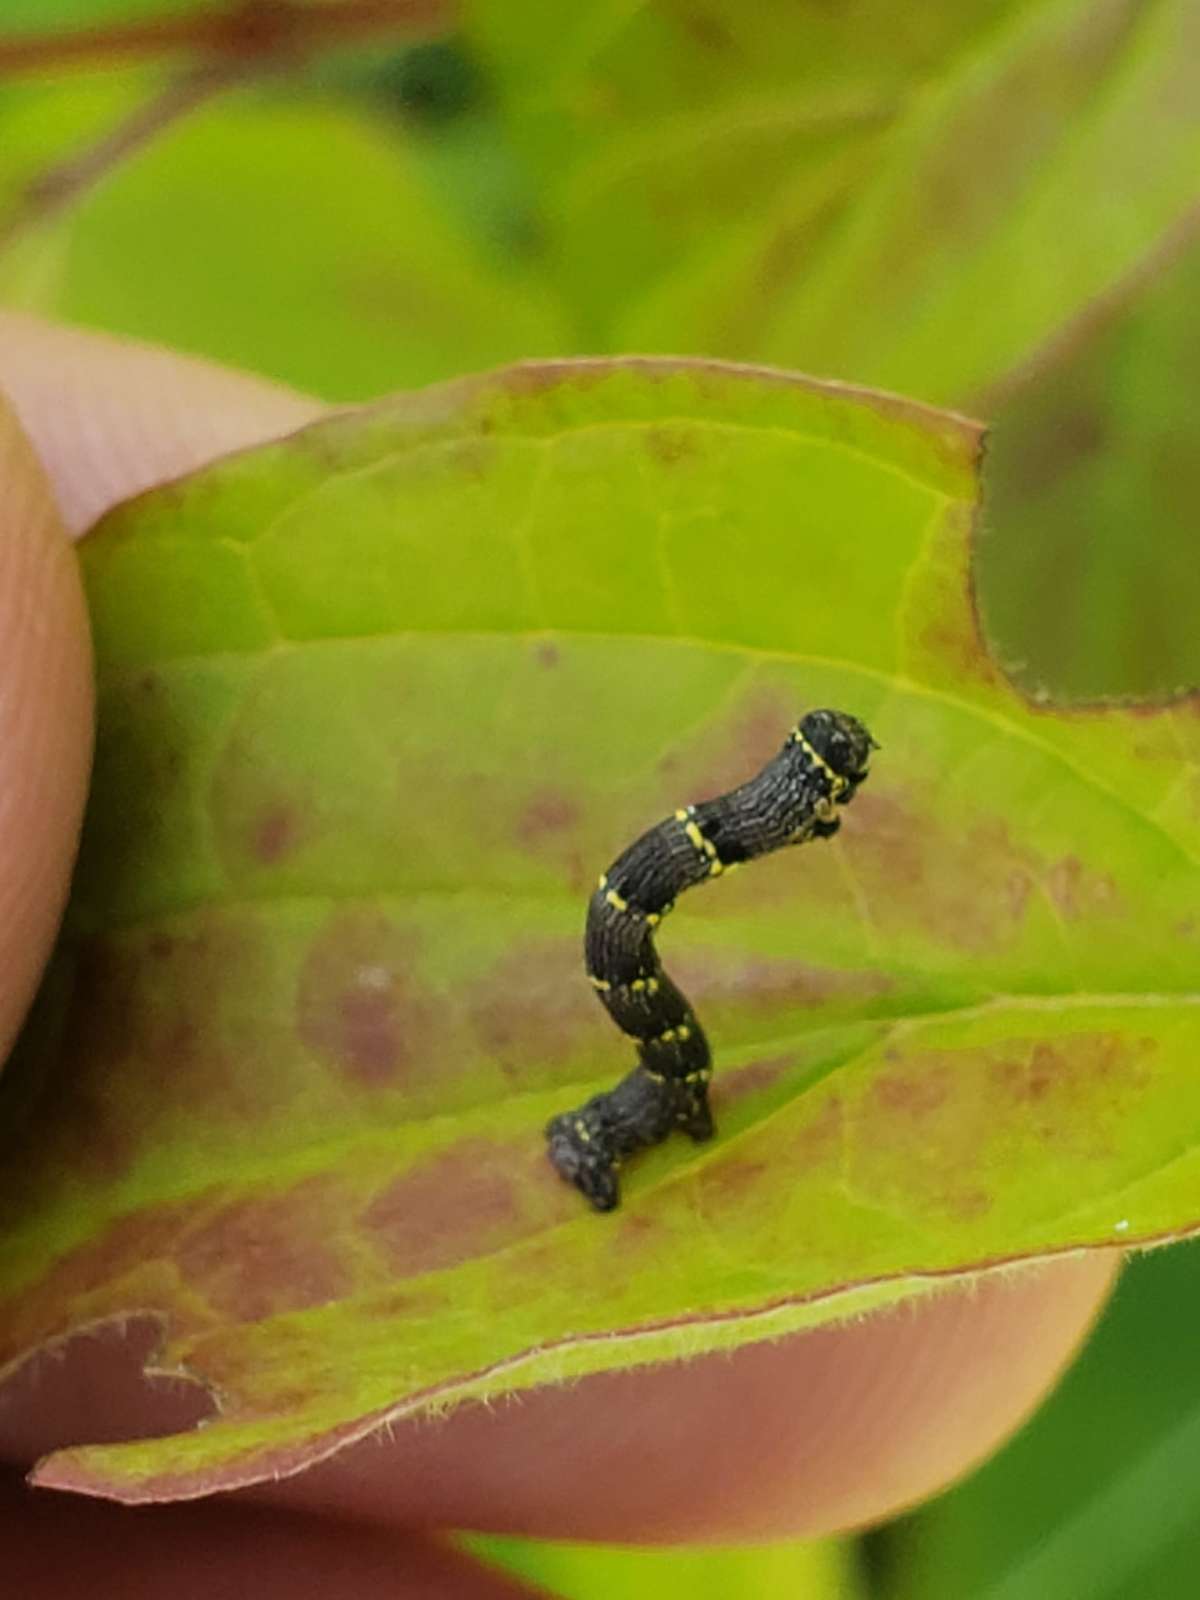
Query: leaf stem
[[248, 31]]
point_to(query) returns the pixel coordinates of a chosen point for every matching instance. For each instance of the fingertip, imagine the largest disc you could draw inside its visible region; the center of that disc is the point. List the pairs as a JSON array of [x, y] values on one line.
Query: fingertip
[[85, 421], [111, 417], [45, 720]]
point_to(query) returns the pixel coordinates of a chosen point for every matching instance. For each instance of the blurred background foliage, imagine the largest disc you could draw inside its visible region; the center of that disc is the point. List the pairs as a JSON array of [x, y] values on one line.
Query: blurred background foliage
[[988, 204]]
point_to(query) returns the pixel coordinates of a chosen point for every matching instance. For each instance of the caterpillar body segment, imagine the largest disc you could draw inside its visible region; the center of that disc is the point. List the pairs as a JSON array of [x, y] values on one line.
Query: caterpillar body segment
[[793, 799]]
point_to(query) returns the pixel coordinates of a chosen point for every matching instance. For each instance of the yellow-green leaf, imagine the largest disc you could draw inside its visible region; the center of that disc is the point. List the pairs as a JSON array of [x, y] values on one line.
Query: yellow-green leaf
[[376, 704]]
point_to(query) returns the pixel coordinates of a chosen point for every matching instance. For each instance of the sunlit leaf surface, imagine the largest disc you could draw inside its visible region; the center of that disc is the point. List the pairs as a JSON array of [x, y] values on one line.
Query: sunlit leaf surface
[[376, 704]]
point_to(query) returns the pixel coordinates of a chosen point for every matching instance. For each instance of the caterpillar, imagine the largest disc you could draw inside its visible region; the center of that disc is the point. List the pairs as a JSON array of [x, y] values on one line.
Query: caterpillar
[[793, 798]]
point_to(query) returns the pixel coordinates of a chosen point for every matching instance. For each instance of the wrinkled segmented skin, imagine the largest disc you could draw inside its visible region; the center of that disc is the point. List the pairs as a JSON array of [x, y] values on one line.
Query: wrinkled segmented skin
[[791, 800]]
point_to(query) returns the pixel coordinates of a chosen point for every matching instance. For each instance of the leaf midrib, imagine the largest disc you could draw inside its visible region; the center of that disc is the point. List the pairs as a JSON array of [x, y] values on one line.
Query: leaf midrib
[[894, 682], [305, 1160]]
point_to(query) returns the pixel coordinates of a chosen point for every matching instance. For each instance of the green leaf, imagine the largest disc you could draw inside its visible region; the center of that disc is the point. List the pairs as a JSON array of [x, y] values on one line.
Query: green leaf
[[793, 1571], [41, 16], [299, 240], [828, 189], [607, 67], [377, 703], [1089, 570], [46, 124]]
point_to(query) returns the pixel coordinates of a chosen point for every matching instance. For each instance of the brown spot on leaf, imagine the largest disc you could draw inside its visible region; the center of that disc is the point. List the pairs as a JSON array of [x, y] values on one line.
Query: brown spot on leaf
[[671, 443], [705, 28], [358, 1008], [453, 1206], [726, 1180], [743, 1082], [212, 967], [534, 1012], [1076, 891], [967, 885], [756, 984], [125, 1264], [550, 811], [146, 1044], [753, 1170], [817, 1142], [742, 744], [968, 1205], [912, 1094], [276, 833], [547, 655], [75, 1112], [264, 1254], [937, 1131], [406, 1303], [1065, 1074], [637, 1228]]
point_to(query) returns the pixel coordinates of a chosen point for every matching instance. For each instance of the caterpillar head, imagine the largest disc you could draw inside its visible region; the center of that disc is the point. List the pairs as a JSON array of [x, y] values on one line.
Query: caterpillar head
[[843, 742]]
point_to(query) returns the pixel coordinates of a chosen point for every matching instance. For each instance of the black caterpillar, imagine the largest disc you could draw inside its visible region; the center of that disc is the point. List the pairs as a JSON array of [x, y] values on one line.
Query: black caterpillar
[[792, 799]]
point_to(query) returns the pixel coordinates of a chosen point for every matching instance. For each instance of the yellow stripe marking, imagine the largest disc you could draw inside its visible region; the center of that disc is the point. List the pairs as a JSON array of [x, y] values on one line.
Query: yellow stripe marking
[[836, 782], [599, 983], [699, 841]]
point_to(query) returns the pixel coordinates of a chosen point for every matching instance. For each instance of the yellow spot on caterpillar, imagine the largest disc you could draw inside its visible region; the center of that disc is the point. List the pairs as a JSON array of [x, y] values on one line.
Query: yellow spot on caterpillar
[[599, 983], [653, 918], [698, 841], [683, 1031], [612, 898], [651, 985], [715, 868], [581, 1132]]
